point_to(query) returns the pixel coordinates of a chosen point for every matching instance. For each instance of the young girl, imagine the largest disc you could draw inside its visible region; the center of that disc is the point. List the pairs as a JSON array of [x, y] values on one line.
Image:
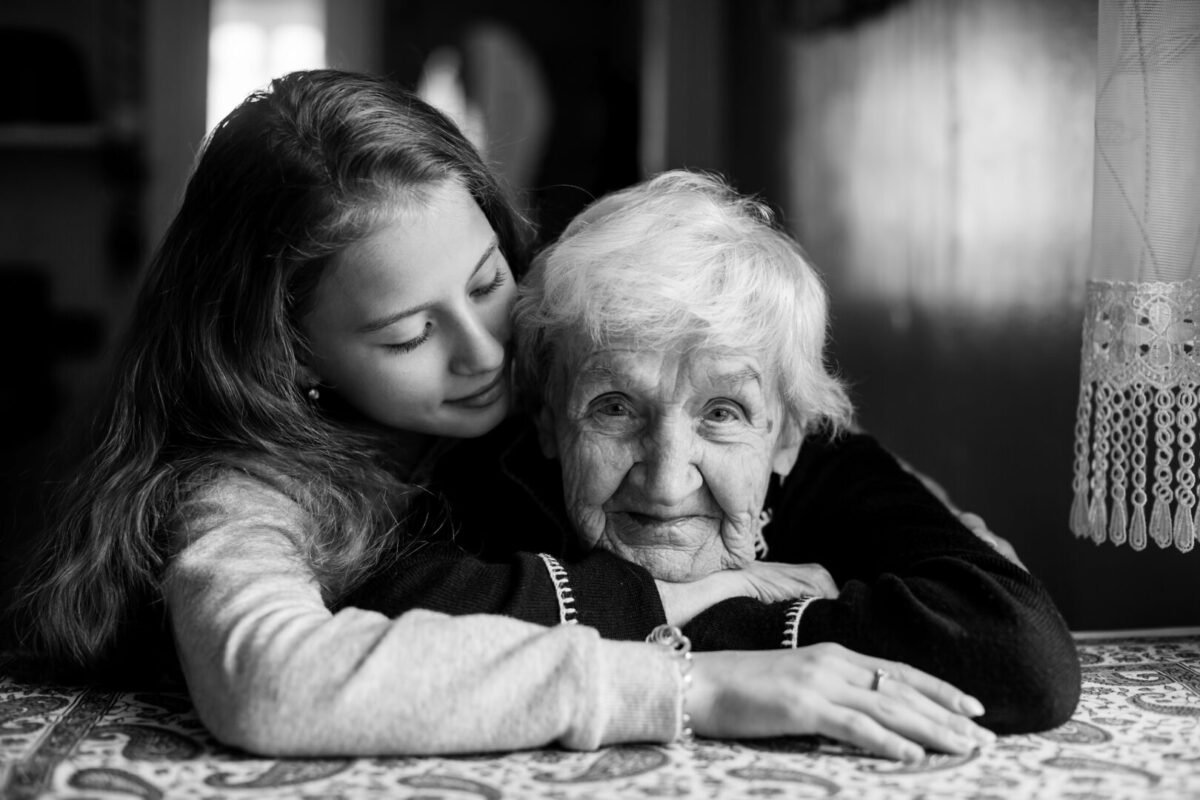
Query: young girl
[[328, 308]]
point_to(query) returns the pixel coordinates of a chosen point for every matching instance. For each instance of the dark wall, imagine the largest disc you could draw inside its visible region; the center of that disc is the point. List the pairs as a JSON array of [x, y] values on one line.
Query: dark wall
[[588, 54]]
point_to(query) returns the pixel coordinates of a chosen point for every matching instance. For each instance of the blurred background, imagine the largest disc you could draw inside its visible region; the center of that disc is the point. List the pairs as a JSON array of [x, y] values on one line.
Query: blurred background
[[934, 157]]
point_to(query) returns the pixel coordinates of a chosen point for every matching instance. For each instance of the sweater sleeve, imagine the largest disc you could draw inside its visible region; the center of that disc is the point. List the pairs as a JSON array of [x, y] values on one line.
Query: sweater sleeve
[[512, 552], [620, 600], [915, 586], [272, 670], [740, 623]]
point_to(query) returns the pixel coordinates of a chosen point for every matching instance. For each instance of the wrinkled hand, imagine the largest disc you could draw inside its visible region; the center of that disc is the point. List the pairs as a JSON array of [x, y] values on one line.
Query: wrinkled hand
[[767, 581], [774, 581], [826, 689]]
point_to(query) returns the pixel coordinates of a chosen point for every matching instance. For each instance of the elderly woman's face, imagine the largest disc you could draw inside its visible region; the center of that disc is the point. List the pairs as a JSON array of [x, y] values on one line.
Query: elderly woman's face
[[666, 457]]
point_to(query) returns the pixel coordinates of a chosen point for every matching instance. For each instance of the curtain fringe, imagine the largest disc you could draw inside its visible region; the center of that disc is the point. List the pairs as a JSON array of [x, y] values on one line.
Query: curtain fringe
[[1119, 447]]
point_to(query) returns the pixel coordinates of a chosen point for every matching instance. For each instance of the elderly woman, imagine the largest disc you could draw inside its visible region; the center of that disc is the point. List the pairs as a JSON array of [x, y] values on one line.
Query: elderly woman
[[671, 352]]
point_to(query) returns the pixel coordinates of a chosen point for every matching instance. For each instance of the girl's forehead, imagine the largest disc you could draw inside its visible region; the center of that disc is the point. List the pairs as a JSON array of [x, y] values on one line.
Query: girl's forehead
[[421, 253], [399, 213]]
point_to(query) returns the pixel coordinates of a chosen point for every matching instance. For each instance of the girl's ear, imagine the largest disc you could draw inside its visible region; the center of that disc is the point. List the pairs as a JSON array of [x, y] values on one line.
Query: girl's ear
[[306, 378], [547, 438]]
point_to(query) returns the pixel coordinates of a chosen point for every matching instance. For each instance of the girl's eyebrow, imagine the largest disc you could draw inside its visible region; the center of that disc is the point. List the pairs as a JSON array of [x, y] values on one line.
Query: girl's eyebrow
[[391, 319]]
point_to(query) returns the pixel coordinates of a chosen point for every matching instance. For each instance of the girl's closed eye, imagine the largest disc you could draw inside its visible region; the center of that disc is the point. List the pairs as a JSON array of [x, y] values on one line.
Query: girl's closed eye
[[411, 344], [496, 282]]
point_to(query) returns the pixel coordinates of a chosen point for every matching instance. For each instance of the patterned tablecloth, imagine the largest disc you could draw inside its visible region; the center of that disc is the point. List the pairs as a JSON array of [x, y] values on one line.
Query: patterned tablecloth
[[1135, 734]]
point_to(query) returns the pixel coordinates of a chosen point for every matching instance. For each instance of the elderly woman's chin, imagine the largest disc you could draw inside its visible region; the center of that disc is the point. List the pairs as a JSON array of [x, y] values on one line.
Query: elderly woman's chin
[[675, 550]]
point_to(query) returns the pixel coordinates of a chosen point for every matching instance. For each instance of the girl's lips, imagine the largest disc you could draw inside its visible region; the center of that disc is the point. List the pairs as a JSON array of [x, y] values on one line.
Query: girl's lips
[[485, 396]]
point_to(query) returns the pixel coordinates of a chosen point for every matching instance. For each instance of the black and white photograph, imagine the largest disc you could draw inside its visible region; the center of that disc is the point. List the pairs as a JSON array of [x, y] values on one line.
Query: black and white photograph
[[581, 399]]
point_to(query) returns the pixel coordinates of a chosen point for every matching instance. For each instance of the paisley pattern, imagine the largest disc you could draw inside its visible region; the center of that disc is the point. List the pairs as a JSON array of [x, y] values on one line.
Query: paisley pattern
[[616, 762], [1136, 733], [1078, 732]]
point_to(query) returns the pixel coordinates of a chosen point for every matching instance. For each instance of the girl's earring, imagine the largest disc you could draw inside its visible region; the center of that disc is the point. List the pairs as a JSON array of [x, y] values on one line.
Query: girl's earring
[[313, 393]]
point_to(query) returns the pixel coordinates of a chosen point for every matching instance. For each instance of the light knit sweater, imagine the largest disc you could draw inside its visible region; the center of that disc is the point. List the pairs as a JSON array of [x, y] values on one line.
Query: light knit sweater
[[272, 670]]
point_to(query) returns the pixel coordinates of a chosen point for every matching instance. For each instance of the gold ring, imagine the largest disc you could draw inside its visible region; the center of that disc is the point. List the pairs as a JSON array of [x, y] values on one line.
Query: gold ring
[[880, 675]]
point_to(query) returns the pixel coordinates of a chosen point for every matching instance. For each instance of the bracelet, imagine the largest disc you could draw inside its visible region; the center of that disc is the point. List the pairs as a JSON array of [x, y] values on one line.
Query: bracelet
[[680, 646], [791, 623]]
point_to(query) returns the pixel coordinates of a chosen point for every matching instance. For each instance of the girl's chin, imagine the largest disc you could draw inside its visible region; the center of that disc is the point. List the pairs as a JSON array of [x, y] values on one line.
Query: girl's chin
[[469, 423]]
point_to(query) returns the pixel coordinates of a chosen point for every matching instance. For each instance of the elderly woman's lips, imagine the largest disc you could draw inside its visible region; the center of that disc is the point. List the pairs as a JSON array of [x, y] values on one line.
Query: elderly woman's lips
[[662, 521], [651, 519], [636, 529]]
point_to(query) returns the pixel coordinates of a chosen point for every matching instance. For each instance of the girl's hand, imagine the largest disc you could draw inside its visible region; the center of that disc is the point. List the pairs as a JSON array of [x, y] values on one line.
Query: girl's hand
[[766, 581], [826, 689]]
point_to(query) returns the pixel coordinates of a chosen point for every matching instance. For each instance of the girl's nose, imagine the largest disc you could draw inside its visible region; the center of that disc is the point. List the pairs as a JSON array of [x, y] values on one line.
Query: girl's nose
[[479, 348]]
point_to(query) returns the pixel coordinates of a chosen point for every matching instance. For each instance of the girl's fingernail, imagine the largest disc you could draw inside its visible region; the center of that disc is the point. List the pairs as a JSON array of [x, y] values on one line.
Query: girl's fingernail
[[966, 744], [912, 754], [984, 735], [971, 706]]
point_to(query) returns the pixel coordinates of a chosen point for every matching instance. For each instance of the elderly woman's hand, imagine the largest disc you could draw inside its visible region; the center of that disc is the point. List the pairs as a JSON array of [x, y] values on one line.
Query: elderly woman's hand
[[766, 581], [827, 689]]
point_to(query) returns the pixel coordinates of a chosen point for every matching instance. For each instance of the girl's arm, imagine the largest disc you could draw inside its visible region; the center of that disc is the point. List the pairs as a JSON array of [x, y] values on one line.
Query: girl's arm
[[535, 587], [619, 599], [272, 670]]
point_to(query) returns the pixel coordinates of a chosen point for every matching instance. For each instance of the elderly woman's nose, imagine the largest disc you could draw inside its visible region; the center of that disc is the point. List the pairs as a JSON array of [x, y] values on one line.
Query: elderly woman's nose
[[669, 473], [479, 347]]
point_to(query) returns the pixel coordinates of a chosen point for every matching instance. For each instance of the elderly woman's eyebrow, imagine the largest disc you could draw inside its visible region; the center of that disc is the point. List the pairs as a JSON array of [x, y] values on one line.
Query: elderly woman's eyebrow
[[599, 372], [739, 377]]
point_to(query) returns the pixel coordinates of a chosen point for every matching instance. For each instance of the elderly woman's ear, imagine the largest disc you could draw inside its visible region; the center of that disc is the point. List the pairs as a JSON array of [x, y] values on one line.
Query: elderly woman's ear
[[787, 449]]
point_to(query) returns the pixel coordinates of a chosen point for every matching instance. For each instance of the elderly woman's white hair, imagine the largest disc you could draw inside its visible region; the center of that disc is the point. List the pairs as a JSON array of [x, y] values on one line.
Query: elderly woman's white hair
[[676, 263]]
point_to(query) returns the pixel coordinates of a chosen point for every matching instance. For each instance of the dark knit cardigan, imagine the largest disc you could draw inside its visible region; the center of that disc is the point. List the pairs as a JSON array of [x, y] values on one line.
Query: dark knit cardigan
[[915, 585]]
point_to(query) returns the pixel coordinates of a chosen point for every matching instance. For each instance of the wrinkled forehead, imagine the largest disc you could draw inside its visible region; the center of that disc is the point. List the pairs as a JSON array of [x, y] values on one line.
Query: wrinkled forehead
[[654, 368]]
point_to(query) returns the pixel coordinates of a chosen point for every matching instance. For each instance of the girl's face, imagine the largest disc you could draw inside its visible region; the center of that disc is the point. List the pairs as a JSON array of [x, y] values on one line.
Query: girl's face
[[411, 324]]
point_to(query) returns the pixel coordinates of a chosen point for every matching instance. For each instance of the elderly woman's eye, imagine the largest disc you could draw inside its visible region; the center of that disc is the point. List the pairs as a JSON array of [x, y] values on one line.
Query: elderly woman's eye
[[613, 410], [724, 412], [611, 406]]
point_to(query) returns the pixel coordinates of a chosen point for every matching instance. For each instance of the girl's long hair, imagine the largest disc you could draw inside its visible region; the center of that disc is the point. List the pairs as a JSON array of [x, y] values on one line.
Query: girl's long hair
[[205, 379]]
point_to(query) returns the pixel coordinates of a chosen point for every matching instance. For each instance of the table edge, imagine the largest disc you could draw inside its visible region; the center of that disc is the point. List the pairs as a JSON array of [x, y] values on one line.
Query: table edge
[[1136, 633]]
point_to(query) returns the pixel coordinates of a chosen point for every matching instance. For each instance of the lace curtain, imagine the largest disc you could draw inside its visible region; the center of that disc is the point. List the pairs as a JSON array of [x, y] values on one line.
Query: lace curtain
[[1135, 436]]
